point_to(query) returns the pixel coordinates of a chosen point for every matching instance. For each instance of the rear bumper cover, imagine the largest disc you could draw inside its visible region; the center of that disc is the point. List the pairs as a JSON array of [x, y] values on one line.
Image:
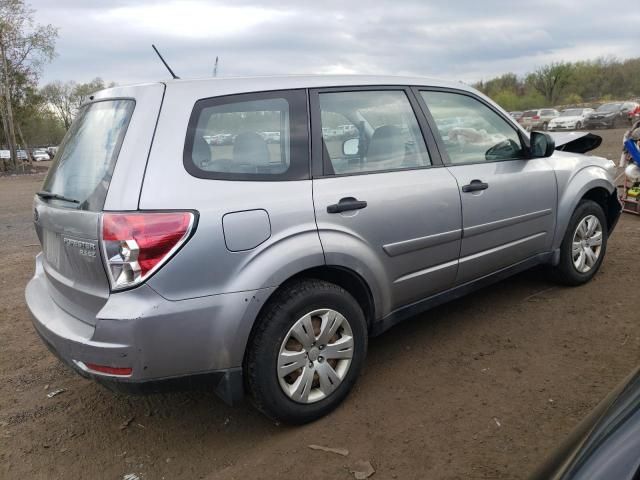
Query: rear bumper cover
[[166, 343]]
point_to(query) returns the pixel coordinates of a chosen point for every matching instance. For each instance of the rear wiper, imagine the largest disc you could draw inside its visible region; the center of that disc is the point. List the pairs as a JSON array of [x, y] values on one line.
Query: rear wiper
[[44, 194]]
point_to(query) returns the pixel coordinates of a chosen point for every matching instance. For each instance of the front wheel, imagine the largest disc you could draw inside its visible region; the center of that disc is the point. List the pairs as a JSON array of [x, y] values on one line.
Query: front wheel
[[306, 352], [578, 126], [584, 245]]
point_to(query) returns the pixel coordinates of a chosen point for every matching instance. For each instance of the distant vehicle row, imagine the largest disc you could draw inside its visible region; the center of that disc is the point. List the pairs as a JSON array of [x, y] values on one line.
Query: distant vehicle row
[[38, 154], [608, 115]]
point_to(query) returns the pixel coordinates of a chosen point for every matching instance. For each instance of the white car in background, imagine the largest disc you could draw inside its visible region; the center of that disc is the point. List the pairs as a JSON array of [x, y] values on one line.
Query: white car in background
[[40, 155], [570, 119], [5, 154]]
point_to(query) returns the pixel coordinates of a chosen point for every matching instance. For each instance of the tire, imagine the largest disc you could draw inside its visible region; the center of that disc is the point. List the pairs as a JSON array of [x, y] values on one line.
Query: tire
[[272, 336], [578, 126], [566, 272]]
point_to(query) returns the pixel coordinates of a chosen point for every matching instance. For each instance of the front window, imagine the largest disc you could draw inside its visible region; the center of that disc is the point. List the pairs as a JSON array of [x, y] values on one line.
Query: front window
[[470, 130], [86, 157], [571, 112]]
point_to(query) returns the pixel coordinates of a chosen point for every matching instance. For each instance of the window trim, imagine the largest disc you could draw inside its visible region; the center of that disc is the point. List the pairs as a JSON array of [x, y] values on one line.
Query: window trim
[[317, 158], [440, 142], [299, 142]]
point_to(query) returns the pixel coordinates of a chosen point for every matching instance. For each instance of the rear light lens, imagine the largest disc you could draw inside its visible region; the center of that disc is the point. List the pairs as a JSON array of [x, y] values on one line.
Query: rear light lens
[[116, 371], [135, 245], [536, 117]]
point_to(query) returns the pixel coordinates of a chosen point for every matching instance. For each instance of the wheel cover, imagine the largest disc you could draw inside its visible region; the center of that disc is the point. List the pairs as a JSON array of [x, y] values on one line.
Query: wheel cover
[[587, 244], [315, 356]]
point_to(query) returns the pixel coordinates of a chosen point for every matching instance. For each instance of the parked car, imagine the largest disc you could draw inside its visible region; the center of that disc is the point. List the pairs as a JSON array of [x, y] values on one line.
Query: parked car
[[605, 444], [269, 268], [5, 154], [271, 137], [40, 155], [611, 115], [52, 151], [516, 115], [634, 115], [538, 119], [570, 119], [22, 154]]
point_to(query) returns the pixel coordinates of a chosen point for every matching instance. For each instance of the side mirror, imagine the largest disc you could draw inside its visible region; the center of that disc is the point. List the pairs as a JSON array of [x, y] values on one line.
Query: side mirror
[[542, 145], [350, 147]]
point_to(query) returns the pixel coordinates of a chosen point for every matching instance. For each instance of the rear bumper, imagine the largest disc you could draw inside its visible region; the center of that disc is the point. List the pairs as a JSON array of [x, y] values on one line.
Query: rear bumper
[[166, 343]]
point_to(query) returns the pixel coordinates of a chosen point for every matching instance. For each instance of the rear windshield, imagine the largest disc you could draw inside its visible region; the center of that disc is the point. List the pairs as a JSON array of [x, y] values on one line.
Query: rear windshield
[[530, 113], [86, 157]]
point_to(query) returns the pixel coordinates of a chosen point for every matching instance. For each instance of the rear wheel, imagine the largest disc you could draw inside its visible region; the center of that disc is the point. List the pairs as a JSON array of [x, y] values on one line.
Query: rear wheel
[[306, 352], [584, 245]]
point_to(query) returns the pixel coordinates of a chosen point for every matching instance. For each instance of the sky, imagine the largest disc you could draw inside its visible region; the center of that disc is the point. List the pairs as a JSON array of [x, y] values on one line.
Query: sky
[[465, 40]]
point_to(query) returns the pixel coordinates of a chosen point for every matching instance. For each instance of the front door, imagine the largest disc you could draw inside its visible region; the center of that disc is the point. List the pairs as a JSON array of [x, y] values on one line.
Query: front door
[[384, 206], [508, 201]]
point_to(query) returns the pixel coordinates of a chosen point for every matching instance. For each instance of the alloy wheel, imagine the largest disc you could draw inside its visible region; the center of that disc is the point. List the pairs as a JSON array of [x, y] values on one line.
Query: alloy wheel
[[315, 356], [587, 244]]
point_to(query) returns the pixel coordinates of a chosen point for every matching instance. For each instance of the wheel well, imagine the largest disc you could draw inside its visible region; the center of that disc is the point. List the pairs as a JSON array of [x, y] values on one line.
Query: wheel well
[[608, 202], [347, 279]]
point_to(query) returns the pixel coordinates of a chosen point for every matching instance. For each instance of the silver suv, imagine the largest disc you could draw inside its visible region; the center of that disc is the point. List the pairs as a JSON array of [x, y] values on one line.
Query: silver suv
[[264, 266]]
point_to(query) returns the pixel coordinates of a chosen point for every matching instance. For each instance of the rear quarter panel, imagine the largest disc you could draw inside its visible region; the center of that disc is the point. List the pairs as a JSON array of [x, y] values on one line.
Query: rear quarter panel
[[205, 266]]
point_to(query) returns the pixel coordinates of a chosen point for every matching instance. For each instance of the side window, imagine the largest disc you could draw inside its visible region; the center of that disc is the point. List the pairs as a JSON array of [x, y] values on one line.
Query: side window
[[249, 137], [369, 131], [471, 131]]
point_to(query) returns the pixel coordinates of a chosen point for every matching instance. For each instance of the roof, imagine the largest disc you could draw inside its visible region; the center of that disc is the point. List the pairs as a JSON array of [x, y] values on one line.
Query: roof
[[314, 81]]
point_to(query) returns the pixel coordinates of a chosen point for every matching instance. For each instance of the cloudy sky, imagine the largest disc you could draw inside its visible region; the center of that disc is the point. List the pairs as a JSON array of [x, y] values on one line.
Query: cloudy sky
[[455, 39]]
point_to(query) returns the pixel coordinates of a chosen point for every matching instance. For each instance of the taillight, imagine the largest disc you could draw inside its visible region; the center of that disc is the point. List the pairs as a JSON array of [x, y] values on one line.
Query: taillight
[[135, 245], [536, 117]]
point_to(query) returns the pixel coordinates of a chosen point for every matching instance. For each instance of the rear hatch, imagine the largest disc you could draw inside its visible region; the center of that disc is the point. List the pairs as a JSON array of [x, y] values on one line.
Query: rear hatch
[[67, 211]]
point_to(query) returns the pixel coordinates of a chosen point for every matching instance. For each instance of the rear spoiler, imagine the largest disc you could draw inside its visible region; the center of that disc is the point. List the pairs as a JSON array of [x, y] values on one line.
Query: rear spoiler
[[576, 142]]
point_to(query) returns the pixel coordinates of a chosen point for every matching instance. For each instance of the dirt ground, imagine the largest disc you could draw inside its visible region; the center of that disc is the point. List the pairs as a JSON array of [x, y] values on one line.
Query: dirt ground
[[484, 387]]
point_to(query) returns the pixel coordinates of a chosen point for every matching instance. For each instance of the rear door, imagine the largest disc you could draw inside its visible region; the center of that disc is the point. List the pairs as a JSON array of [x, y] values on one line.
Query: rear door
[[384, 206], [508, 201], [68, 210]]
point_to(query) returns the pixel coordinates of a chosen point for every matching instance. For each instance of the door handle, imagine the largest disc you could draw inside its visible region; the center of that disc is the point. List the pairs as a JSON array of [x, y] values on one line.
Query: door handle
[[346, 204], [475, 186]]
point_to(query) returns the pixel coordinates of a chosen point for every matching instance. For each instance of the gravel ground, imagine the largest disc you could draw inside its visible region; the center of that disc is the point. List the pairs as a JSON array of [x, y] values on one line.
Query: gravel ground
[[484, 387]]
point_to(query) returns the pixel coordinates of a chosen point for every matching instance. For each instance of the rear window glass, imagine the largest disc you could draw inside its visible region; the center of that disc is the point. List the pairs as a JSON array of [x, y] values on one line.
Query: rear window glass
[[249, 136], [530, 113], [86, 157]]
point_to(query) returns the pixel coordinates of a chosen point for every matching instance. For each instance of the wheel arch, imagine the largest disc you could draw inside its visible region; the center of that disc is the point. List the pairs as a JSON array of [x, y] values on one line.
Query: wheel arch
[[592, 184], [344, 277]]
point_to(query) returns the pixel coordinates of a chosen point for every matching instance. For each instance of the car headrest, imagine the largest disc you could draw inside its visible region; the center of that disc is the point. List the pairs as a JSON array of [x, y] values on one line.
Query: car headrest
[[201, 153], [386, 145], [249, 148]]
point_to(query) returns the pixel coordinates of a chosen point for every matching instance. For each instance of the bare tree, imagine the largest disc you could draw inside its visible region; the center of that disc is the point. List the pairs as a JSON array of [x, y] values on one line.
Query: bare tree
[[66, 98], [59, 95], [550, 80], [24, 48]]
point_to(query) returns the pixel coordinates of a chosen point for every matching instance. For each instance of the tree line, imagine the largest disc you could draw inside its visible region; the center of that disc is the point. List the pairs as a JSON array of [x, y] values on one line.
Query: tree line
[[32, 115], [566, 83]]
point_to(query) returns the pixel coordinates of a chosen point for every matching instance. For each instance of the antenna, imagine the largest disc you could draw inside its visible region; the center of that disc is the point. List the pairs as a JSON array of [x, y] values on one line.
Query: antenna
[[215, 68], [165, 63]]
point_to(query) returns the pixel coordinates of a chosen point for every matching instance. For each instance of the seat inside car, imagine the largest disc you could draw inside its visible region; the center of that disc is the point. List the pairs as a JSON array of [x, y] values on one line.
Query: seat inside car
[[386, 147], [201, 151], [251, 152]]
